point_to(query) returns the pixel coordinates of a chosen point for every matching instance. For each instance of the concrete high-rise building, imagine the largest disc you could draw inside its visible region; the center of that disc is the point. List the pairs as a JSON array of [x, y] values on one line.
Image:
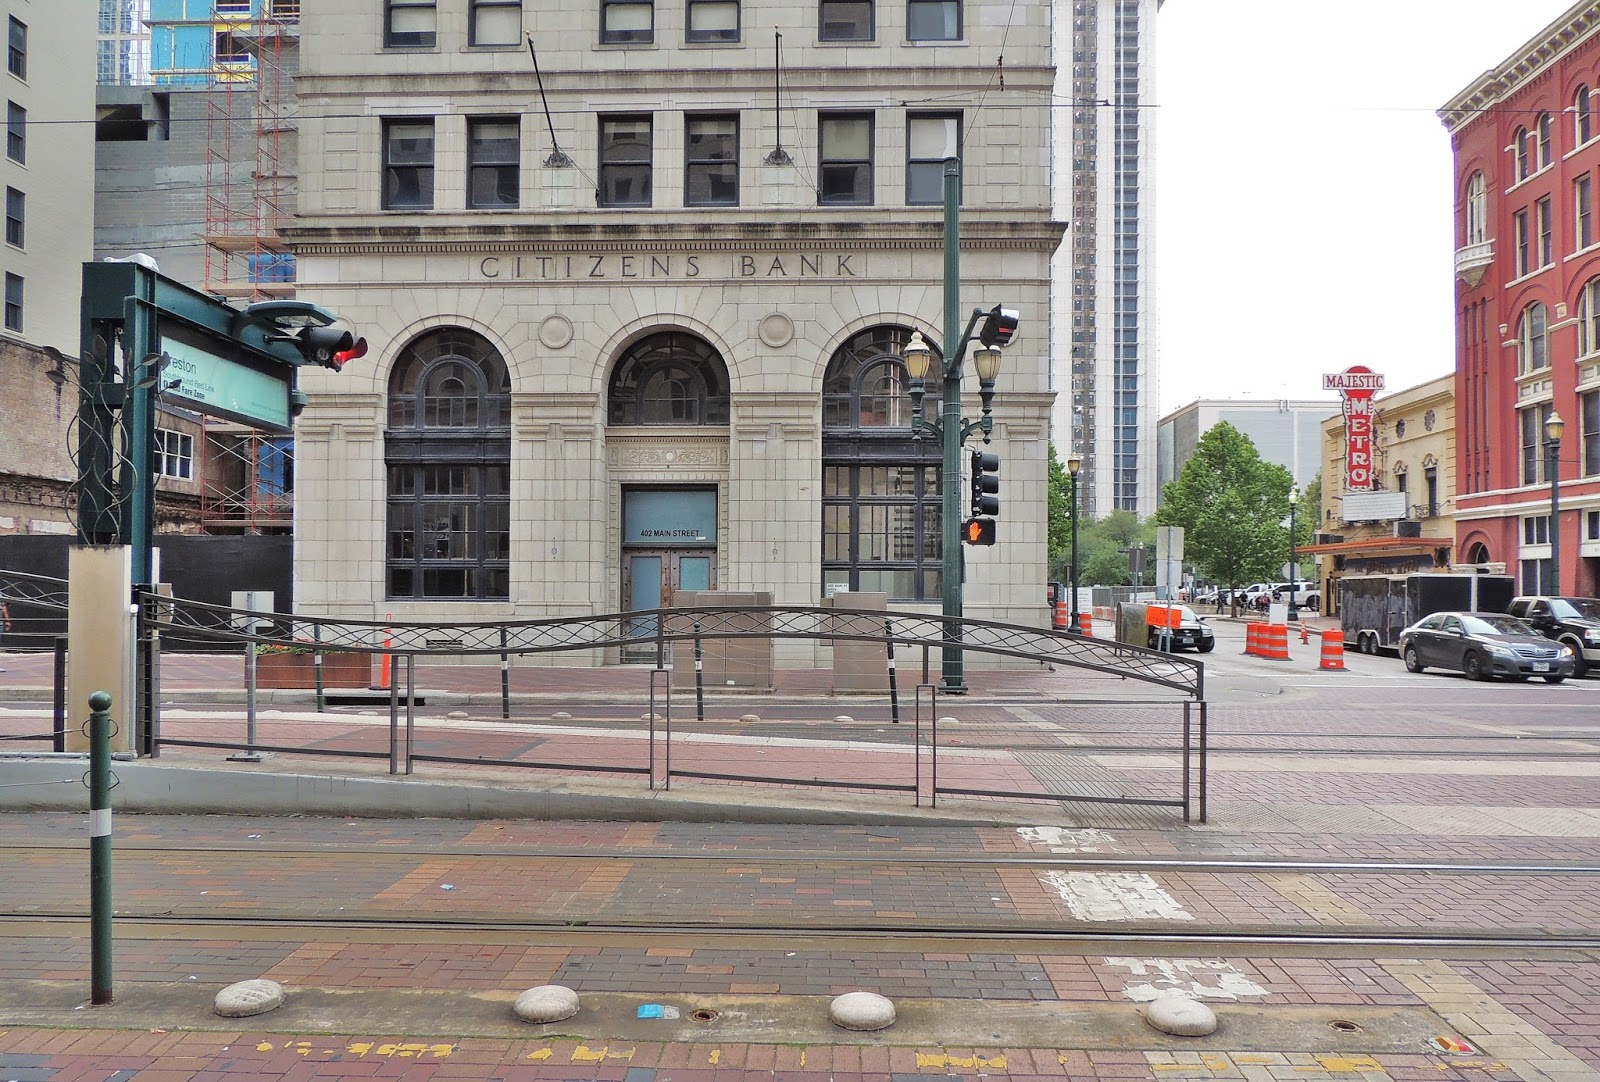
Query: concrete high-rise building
[[1104, 355], [49, 102]]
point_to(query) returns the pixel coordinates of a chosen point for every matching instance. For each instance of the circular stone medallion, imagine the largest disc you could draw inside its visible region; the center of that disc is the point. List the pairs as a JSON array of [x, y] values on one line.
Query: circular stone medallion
[[776, 330], [555, 332]]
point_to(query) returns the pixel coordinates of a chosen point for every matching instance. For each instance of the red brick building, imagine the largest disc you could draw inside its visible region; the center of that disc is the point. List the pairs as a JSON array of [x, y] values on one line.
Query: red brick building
[[1526, 138]]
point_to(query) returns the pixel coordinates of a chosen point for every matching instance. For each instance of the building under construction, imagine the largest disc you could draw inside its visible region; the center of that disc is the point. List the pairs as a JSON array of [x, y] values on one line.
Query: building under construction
[[195, 166]]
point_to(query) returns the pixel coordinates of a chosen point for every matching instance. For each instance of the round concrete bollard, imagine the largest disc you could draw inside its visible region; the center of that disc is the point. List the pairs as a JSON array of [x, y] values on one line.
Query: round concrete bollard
[[561, 715], [844, 718], [248, 998], [749, 717], [458, 715], [1181, 1016], [947, 720], [862, 1011], [546, 1003]]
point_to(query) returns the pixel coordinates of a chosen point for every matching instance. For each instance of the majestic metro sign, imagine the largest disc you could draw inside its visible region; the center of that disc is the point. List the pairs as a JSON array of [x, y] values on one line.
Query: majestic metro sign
[[1357, 384]]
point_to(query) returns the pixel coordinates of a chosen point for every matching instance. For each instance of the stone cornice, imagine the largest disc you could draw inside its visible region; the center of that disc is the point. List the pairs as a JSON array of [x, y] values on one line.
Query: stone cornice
[[1533, 58], [367, 236]]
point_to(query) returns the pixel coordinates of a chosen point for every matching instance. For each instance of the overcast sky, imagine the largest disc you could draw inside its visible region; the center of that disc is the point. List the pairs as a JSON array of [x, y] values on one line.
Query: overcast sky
[[1304, 187]]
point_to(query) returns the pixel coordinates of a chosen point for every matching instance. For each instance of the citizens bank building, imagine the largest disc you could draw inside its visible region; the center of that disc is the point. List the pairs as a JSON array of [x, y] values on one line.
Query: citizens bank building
[[653, 340]]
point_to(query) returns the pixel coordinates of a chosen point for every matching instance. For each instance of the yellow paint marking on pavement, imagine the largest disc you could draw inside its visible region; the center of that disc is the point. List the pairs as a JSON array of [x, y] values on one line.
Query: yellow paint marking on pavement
[[715, 1057], [1346, 1064], [584, 1054], [939, 1059], [541, 1055], [264, 1046]]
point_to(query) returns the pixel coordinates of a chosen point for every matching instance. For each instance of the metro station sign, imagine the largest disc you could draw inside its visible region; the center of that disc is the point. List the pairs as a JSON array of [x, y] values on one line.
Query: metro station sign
[[1357, 384]]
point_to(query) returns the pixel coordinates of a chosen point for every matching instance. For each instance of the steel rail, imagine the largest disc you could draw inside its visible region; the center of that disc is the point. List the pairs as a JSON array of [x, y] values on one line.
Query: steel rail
[[791, 856], [901, 931]]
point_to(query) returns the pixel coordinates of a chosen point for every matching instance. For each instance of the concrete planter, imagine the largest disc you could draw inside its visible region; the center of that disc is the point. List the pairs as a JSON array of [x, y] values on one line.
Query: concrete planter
[[340, 669]]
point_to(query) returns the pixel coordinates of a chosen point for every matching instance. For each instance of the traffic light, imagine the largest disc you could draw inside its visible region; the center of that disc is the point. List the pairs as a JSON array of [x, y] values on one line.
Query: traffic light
[[999, 327], [980, 528], [329, 346], [985, 483]]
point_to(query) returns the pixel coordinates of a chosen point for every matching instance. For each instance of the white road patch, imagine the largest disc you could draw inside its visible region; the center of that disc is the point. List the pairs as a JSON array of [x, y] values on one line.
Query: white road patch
[[1197, 978], [1066, 840], [1114, 896]]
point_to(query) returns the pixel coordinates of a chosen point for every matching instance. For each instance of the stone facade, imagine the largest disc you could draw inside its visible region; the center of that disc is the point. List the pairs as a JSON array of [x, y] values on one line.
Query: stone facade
[[562, 286]]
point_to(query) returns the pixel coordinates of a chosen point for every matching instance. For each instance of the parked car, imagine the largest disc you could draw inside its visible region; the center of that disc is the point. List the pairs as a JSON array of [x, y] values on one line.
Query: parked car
[[1573, 621], [1484, 644], [1293, 592], [1189, 630]]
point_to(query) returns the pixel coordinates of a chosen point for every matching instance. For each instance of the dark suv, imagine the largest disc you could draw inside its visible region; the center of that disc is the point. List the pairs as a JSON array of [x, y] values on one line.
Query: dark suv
[[1574, 621]]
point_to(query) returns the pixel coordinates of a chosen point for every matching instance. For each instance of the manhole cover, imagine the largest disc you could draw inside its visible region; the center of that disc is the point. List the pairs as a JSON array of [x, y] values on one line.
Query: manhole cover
[[1344, 1026], [702, 1014]]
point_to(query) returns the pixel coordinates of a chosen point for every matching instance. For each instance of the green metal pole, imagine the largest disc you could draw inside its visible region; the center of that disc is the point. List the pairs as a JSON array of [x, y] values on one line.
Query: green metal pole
[[100, 848], [1073, 625], [950, 412]]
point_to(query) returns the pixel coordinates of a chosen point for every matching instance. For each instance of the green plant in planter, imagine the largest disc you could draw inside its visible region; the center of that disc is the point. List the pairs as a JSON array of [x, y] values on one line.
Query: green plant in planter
[[265, 648]]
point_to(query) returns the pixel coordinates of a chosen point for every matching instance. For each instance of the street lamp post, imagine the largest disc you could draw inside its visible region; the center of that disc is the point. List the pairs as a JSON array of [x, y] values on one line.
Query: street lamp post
[[1074, 464], [1553, 429], [1294, 571]]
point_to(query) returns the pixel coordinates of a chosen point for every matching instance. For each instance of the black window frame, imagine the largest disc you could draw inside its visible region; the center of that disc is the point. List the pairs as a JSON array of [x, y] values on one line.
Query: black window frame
[[827, 165], [16, 217], [1589, 423], [700, 167], [917, 167], [1544, 227], [447, 463], [871, 28], [16, 133], [712, 37], [17, 47], [609, 36], [914, 7], [422, 39], [614, 168], [14, 302], [502, 170], [392, 168], [476, 8], [683, 362]]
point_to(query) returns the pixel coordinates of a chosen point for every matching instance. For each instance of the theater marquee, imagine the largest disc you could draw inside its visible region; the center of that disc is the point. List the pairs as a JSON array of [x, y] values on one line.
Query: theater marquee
[[1357, 384]]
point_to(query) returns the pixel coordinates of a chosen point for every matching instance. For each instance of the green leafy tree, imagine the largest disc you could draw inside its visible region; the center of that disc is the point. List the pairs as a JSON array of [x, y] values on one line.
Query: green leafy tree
[[1308, 520], [1233, 507], [1058, 511], [1103, 547]]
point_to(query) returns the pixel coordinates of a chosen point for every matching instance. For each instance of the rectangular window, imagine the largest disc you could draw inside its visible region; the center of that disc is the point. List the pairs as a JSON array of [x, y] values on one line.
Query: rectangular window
[[13, 302], [1590, 404], [881, 529], [627, 22], [495, 22], [16, 132], [227, 49], [174, 453], [494, 149], [1542, 214], [407, 164], [625, 152], [1531, 422], [1536, 530], [410, 23], [1402, 485], [845, 20], [933, 20], [15, 204], [846, 153], [1536, 576], [1591, 526], [17, 49], [1430, 481], [1524, 241], [713, 20], [711, 161], [930, 139], [1583, 209]]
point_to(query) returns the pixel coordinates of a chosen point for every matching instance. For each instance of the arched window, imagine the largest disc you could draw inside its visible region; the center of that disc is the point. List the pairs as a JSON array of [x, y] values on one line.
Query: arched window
[[1589, 318], [1477, 210], [1533, 340], [1477, 553], [1582, 115], [1522, 144], [881, 500], [673, 378], [1545, 126], [448, 454]]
